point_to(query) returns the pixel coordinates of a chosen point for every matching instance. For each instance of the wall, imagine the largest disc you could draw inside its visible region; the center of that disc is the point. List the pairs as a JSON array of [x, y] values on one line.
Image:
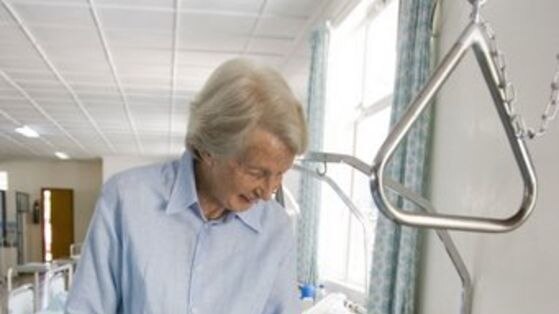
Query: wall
[[84, 177], [115, 164], [474, 173]]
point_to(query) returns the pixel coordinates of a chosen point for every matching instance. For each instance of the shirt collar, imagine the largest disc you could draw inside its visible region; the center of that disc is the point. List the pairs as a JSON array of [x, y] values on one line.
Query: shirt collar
[[252, 216], [184, 195]]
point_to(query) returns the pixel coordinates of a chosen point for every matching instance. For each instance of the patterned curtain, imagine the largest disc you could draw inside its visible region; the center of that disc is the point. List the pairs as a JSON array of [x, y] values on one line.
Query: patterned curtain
[[395, 254], [309, 188]]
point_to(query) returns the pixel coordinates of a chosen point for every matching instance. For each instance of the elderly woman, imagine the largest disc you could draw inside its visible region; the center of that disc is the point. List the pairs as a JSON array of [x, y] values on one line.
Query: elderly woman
[[201, 234]]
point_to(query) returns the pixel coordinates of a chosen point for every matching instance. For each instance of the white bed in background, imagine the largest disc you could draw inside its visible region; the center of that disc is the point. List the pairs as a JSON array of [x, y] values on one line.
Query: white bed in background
[[335, 303], [46, 295], [20, 300]]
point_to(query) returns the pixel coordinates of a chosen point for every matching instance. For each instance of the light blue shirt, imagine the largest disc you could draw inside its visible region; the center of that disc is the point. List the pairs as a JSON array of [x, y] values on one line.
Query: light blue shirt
[[149, 249]]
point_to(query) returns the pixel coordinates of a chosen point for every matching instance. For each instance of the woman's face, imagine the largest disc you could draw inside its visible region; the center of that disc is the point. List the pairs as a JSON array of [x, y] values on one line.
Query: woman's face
[[238, 183]]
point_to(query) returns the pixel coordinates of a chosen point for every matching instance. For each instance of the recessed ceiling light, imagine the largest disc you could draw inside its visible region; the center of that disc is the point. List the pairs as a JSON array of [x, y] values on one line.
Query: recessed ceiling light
[[27, 131], [62, 155]]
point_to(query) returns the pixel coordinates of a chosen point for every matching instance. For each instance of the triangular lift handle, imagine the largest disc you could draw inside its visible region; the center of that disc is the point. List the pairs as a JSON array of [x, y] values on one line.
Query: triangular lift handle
[[472, 37]]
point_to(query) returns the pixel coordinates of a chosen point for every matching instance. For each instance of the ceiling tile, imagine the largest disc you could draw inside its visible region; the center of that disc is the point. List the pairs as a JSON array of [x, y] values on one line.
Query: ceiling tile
[[67, 38], [88, 77], [145, 81], [98, 67], [296, 8], [13, 36], [214, 43], [187, 83], [168, 4], [273, 61], [26, 115], [216, 24], [251, 6], [270, 46], [16, 74], [5, 17], [147, 98], [88, 89], [142, 56], [57, 2], [143, 69], [286, 28], [205, 59], [140, 39], [81, 54], [5, 86], [137, 19], [38, 93], [23, 63], [37, 14], [11, 98], [40, 85], [93, 97], [60, 103], [193, 71]]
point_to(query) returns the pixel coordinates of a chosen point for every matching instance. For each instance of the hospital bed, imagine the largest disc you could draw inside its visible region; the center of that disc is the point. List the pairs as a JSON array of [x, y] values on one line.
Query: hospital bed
[[20, 300], [336, 303], [424, 205], [46, 294]]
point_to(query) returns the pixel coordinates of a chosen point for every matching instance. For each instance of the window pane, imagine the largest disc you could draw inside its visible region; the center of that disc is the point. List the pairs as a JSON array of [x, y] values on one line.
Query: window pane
[[371, 133], [356, 266], [333, 230], [381, 54]]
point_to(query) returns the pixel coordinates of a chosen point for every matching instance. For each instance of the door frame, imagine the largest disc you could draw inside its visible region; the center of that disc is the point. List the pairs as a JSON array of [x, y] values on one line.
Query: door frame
[[42, 217], [22, 200]]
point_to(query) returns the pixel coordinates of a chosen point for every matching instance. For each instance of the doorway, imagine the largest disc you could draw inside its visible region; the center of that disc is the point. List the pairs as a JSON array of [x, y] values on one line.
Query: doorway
[[57, 223], [22, 208]]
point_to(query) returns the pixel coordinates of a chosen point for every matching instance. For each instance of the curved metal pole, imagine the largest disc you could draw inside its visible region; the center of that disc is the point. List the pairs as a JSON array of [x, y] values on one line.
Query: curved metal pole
[[472, 37], [367, 235], [449, 245], [288, 196], [444, 236]]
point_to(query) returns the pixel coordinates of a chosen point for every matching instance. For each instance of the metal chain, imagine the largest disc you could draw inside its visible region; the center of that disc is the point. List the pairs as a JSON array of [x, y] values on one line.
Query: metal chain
[[550, 112]]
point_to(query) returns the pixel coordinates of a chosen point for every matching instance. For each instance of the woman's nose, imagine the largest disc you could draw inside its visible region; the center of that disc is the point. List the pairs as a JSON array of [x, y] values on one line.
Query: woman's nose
[[269, 187]]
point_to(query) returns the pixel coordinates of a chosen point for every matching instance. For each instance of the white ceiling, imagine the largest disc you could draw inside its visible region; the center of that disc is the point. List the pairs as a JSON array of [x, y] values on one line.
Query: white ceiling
[[114, 77]]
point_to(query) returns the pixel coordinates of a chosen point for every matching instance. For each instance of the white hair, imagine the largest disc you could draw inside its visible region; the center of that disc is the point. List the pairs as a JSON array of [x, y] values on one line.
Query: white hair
[[238, 97]]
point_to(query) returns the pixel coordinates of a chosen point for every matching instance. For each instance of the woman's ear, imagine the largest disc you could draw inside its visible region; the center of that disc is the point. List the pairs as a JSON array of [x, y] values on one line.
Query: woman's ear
[[206, 158]]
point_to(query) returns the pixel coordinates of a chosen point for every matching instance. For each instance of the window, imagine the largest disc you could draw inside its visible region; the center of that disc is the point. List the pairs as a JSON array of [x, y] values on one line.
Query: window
[[3, 180], [3, 209], [361, 73]]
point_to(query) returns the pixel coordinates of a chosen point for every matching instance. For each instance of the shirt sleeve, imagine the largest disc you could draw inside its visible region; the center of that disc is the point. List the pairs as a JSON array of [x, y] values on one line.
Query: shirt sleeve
[[95, 288], [284, 297]]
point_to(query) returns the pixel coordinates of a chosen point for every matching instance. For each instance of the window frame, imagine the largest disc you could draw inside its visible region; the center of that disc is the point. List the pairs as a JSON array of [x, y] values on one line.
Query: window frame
[[363, 112]]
